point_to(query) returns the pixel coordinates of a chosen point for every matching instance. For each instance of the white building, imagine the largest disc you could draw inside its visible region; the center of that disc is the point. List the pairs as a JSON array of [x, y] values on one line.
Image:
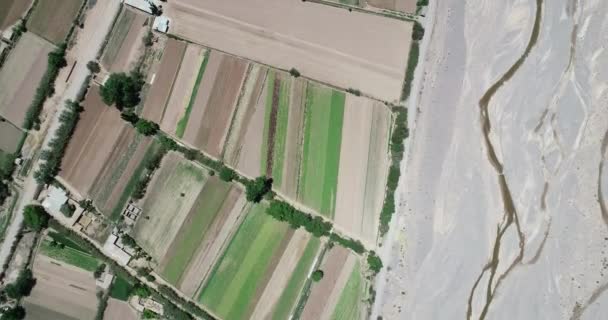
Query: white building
[[161, 24], [55, 198]]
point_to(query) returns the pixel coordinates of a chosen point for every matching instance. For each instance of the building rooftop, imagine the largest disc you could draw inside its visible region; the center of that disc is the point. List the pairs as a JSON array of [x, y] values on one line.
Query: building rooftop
[[55, 198]]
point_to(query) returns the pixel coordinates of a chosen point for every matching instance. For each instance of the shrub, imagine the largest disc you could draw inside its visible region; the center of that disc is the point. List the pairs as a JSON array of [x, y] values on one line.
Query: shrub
[[294, 72], [4, 192], [374, 262], [141, 291], [257, 188], [317, 275], [35, 217], [412, 62], [67, 209], [147, 128], [14, 313], [356, 92], [227, 174], [418, 32], [149, 39], [7, 166], [93, 66], [122, 90]]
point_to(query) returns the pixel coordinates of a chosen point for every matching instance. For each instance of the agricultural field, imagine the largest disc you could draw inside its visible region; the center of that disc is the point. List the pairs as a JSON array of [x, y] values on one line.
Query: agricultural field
[[335, 49], [20, 76], [52, 19], [126, 41], [117, 309], [204, 212], [322, 147], [406, 6], [340, 293], [11, 11], [104, 157], [77, 287], [10, 137], [263, 270], [195, 93]]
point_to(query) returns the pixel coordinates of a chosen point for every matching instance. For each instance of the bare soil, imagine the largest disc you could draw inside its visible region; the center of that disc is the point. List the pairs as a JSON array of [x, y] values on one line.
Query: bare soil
[[20, 76], [272, 125], [117, 309], [295, 136], [10, 136], [217, 238], [214, 123], [182, 88], [156, 101], [63, 289], [52, 19], [11, 11], [325, 43], [407, 6], [96, 136], [132, 44]]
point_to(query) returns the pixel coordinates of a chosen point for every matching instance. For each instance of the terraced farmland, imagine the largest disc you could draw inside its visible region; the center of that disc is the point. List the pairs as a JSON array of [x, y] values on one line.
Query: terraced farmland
[[261, 273]]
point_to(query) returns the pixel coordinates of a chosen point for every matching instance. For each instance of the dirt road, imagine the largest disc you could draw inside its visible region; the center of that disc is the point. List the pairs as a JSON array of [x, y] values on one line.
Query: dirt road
[[97, 25], [504, 214]]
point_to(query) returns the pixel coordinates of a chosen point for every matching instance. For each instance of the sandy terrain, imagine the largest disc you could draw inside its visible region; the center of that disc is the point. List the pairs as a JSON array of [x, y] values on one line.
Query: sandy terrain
[[250, 93], [408, 6], [132, 43], [218, 237], [10, 136], [281, 275], [168, 200], [20, 76], [215, 103], [96, 135], [117, 309], [295, 137], [548, 122], [280, 33], [156, 101], [335, 264], [182, 88], [77, 287], [12, 11]]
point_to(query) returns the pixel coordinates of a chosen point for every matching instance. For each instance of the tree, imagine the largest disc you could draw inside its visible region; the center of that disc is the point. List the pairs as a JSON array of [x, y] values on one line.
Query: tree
[[227, 174], [317, 275], [93, 66], [294, 72], [7, 165], [35, 217], [418, 32], [374, 262], [257, 188], [156, 11], [56, 58], [15, 313], [149, 39], [4, 192], [147, 128], [67, 209], [141, 291], [22, 286], [99, 271], [122, 90], [127, 240]]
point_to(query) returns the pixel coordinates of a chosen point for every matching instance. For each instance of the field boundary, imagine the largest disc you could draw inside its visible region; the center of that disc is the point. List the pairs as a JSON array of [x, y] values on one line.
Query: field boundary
[[386, 13]]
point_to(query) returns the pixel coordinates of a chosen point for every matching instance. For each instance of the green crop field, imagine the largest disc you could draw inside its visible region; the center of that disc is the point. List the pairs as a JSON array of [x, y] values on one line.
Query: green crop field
[[238, 275], [183, 122], [290, 294], [348, 305], [206, 208], [321, 157], [69, 255], [121, 289]]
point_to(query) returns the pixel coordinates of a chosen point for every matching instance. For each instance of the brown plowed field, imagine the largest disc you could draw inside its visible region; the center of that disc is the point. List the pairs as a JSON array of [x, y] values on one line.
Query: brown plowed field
[[207, 130], [11, 11], [334, 265], [96, 136], [295, 136], [253, 88], [346, 49], [363, 167], [182, 89], [119, 310], [52, 19], [10, 136], [156, 101], [407, 6], [20, 76], [61, 291], [131, 44]]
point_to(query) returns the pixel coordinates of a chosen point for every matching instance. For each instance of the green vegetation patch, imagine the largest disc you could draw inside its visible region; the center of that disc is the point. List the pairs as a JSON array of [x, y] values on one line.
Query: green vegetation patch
[[183, 122], [69, 255], [119, 33], [268, 108], [348, 306], [204, 211], [280, 138], [65, 240], [323, 136], [290, 294], [121, 289], [236, 277]]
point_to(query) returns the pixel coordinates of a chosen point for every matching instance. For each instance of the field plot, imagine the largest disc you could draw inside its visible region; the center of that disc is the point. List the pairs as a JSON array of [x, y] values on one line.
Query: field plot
[[340, 293], [262, 271], [10, 137], [20, 76], [407, 6], [52, 19], [77, 287], [334, 49], [11, 11], [117, 309], [103, 159], [126, 41]]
